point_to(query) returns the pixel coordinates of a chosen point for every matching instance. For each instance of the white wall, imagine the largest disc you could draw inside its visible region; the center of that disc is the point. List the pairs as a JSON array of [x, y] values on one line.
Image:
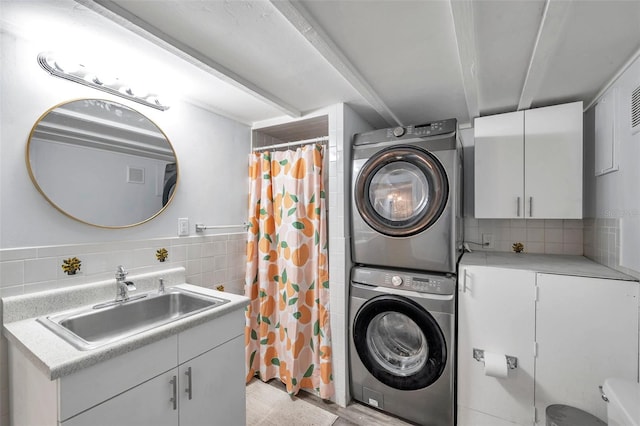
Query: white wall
[[613, 200], [211, 152]]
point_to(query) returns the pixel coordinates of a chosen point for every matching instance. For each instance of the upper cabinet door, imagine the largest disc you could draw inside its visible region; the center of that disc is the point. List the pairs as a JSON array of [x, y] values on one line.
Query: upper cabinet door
[[499, 158], [528, 164], [553, 162]]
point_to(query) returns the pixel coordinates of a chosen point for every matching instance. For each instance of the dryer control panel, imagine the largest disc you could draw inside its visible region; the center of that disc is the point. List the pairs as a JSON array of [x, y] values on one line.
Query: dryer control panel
[[408, 133], [424, 283]]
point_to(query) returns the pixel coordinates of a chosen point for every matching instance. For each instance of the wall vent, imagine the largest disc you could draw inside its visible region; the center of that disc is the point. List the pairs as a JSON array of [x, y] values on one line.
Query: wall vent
[[135, 174], [635, 111]]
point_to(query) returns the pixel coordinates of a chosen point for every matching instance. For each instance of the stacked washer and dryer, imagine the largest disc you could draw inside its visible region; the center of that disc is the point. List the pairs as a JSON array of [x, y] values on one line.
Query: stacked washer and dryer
[[406, 241]]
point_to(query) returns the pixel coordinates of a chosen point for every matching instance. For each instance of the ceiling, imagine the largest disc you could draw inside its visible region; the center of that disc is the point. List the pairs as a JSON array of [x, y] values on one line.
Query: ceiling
[[395, 62]]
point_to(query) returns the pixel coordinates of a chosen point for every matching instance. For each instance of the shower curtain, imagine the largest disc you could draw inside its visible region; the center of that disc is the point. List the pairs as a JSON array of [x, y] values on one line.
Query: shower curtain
[[287, 332]]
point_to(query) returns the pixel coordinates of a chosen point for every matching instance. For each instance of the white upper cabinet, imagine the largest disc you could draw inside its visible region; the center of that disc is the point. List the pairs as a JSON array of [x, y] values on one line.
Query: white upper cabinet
[[528, 164]]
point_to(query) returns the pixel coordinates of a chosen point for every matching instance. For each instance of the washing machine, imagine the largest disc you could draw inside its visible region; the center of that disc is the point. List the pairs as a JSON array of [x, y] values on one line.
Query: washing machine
[[406, 190], [402, 343], [170, 182]]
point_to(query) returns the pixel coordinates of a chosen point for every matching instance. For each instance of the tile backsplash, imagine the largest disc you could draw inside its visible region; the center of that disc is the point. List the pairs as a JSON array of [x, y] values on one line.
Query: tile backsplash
[[549, 236], [209, 261], [602, 243]]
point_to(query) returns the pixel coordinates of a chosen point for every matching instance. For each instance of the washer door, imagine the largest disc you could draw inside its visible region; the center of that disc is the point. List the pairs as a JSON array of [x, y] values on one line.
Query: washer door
[[401, 191], [170, 181], [399, 342]]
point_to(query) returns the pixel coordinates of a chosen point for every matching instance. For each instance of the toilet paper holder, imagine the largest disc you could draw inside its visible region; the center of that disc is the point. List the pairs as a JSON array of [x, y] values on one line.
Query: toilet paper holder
[[512, 361]]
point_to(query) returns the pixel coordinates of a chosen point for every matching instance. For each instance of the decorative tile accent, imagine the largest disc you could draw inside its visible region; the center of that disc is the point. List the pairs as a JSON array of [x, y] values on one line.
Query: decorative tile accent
[[162, 254], [71, 266]]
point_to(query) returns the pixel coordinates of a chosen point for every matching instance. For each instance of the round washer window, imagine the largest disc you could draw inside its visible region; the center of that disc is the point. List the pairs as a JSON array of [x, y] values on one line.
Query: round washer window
[[401, 191], [399, 342]]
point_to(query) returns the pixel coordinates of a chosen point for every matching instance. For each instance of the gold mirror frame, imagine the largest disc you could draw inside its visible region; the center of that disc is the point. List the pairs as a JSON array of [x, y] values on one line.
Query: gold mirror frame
[[106, 128]]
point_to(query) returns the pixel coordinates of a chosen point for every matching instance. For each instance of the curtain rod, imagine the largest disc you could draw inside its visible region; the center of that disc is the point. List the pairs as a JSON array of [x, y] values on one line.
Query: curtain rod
[[295, 143]]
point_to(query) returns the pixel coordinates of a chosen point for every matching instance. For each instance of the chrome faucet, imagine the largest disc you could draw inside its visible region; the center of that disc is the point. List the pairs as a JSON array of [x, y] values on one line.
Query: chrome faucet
[[122, 286]]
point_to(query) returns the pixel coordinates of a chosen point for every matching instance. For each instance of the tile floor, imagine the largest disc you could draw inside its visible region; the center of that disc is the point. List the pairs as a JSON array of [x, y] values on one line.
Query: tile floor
[[355, 414]]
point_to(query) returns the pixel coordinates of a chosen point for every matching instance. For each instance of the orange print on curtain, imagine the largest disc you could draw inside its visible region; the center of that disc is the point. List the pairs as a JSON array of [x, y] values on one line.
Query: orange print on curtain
[[287, 331]]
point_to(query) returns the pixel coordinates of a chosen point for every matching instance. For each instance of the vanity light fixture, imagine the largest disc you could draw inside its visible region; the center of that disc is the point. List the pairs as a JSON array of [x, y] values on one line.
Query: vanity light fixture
[[80, 74]]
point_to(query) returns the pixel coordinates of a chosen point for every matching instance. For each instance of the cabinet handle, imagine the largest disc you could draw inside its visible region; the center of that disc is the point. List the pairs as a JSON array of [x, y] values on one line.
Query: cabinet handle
[[464, 281], [603, 395], [518, 206], [530, 206], [174, 399], [189, 389]]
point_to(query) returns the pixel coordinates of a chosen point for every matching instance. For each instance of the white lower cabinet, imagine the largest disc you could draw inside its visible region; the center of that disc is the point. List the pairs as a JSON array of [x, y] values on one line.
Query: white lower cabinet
[[215, 395], [146, 404], [496, 314], [586, 331], [568, 333], [194, 394], [193, 378]]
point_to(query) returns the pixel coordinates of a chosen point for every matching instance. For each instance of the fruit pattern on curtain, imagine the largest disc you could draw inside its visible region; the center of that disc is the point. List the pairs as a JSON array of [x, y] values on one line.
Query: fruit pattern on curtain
[[287, 333]]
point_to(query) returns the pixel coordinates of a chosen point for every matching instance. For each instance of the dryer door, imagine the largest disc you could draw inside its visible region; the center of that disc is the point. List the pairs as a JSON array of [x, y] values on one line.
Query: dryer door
[[401, 191], [399, 342]]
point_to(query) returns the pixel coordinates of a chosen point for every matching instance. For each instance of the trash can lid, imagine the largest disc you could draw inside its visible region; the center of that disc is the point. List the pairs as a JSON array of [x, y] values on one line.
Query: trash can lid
[[566, 415]]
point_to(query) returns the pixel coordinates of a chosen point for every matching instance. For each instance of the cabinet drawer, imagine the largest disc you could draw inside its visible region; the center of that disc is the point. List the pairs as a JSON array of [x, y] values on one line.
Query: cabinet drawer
[[93, 385], [204, 337]]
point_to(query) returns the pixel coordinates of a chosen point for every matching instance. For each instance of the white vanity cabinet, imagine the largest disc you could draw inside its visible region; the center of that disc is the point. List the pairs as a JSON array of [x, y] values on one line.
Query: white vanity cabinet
[[146, 404], [215, 394], [568, 333], [528, 164], [194, 377]]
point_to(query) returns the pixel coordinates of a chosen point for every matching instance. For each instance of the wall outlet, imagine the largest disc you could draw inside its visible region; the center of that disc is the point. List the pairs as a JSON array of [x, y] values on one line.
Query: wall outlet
[[183, 227], [487, 241]]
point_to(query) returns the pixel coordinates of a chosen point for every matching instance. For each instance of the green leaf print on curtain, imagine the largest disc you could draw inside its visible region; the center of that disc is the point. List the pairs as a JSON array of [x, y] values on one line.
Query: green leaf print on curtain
[[287, 332]]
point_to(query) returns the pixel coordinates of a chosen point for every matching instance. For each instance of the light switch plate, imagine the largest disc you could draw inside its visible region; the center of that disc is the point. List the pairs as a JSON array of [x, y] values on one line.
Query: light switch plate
[[183, 227]]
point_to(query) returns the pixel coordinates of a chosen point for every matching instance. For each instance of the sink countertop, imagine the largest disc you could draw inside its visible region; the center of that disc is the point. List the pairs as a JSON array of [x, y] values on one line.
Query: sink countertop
[[57, 358], [558, 264]]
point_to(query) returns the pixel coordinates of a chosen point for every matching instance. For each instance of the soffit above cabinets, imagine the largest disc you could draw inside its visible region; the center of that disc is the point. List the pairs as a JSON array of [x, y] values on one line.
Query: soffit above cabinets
[[394, 61]]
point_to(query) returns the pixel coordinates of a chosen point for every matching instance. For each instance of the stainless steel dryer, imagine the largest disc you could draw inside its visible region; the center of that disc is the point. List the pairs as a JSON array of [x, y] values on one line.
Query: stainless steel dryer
[[402, 343], [406, 193]]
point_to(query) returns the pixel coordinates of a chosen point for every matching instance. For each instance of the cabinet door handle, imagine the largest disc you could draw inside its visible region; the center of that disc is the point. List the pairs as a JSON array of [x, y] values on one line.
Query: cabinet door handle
[[530, 206], [518, 206], [464, 281], [189, 388], [174, 399]]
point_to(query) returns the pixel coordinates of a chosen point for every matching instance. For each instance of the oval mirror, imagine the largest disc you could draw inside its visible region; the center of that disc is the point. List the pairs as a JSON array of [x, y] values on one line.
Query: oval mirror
[[102, 163]]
